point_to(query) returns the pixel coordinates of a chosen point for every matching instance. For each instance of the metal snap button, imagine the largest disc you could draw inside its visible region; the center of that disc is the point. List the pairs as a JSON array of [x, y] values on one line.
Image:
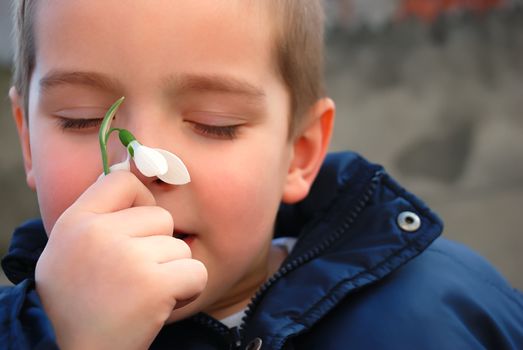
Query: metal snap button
[[409, 221], [255, 344]]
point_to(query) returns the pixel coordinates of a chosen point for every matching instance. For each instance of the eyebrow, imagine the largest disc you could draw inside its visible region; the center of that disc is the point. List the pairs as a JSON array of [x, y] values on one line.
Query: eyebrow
[[176, 84], [90, 79], [185, 83]]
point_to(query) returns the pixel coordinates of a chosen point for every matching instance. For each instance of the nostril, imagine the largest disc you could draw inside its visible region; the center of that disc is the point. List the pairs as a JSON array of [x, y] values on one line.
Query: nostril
[[160, 182]]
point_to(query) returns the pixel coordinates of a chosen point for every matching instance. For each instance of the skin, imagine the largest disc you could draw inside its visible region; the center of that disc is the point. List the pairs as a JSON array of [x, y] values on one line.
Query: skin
[[112, 273]]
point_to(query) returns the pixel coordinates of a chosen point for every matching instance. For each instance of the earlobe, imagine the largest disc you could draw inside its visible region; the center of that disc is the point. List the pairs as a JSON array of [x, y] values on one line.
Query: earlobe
[[310, 146], [23, 134]]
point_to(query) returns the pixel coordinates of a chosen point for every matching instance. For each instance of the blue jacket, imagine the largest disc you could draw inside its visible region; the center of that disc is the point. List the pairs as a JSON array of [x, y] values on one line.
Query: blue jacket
[[358, 278]]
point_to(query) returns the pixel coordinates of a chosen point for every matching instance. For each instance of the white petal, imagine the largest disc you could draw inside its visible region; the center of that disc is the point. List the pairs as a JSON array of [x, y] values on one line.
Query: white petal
[[125, 165], [149, 161], [177, 173]]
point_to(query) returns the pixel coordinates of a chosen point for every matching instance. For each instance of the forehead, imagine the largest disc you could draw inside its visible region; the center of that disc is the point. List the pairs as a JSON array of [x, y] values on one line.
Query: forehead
[[155, 33]]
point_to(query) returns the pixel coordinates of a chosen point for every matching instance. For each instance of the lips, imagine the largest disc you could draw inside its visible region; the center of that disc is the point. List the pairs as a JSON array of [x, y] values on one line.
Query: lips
[[186, 237]]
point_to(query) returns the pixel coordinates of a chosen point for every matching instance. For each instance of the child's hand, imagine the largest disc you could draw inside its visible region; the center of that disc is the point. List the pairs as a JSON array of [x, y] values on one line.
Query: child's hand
[[112, 273]]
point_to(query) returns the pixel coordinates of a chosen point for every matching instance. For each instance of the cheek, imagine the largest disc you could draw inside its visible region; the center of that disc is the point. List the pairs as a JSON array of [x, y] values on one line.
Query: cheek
[[245, 192], [61, 175]]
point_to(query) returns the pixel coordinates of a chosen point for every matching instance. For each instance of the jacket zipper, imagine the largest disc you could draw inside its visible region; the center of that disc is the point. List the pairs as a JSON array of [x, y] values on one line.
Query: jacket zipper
[[311, 254], [232, 336]]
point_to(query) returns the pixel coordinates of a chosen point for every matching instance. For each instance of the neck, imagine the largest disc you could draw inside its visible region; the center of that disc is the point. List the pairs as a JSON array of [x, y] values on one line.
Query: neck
[[243, 295]]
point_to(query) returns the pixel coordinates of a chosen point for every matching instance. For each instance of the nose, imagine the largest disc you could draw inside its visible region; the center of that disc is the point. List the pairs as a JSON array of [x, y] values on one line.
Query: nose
[[149, 132]]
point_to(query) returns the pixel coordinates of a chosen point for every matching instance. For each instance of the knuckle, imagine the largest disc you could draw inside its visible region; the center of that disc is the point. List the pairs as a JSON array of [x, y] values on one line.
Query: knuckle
[[183, 249], [165, 218], [199, 273], [161, 220]]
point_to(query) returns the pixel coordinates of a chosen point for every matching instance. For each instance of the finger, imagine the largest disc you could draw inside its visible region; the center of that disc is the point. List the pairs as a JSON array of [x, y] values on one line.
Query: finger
[[182, 303], [116, 191], [186, 277], [161, 249], [141, 221]]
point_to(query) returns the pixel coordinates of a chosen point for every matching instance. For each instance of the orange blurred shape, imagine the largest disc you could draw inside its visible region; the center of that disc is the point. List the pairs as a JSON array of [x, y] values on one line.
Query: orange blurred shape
[[430, 10]]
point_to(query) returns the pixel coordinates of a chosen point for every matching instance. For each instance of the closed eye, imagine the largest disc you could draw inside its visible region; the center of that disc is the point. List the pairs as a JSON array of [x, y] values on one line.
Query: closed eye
[[226, 132], [79, 123]]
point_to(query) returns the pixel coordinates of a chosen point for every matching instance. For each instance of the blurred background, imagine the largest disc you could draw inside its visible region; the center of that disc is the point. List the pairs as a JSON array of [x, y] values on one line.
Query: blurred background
[[431, 89]]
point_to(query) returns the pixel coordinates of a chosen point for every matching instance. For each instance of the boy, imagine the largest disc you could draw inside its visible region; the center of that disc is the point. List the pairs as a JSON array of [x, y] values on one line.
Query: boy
[[234, 88]]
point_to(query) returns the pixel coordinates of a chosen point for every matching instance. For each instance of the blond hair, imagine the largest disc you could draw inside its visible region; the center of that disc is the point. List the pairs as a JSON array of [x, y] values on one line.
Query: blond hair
[[24, 45], [298, 50]]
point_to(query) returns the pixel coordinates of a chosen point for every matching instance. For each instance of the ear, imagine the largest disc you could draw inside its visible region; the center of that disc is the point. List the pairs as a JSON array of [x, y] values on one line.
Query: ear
[[309, 149], [23, 134]]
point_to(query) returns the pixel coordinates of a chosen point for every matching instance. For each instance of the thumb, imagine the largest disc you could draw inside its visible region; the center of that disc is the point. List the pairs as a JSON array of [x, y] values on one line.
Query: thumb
[[116, 191]]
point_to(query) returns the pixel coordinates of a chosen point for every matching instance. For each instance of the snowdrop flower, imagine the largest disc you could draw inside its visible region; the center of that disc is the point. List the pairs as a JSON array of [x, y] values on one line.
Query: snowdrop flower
[[155, 161], [149, 161]]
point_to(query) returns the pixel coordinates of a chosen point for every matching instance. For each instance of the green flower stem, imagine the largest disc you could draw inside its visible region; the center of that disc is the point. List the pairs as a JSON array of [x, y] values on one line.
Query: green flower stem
[[125, 136], [110, 132], [104, 133]]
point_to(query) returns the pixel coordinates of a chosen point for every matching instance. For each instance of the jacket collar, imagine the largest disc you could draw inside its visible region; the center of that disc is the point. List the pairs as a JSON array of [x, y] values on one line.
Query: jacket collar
[[349, 238], [25, 248]]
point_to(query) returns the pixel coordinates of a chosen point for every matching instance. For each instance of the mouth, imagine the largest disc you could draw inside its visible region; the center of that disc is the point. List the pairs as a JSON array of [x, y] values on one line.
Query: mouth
[[186, 237]]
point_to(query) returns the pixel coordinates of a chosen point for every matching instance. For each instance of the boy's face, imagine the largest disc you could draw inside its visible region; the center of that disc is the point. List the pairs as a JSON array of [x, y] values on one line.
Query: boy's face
[[200, 81]]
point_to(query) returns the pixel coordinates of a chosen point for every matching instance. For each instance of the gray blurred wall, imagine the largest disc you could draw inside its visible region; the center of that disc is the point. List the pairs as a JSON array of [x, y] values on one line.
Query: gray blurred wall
[[442, 108], [5, 30]]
